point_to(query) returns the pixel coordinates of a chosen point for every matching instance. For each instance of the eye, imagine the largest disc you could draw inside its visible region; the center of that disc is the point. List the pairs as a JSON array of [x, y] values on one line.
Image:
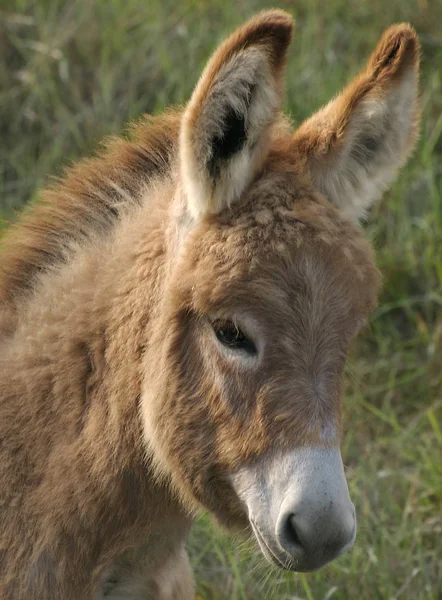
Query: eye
[[229, 334]]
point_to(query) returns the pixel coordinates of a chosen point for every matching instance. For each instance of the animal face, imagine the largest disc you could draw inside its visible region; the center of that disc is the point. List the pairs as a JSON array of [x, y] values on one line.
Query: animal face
[[268, 280]]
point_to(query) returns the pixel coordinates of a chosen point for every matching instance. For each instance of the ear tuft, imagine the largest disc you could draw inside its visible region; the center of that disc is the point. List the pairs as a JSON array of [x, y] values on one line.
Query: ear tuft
[[225, 128], [398, 49], [273, 30], [354, 146]]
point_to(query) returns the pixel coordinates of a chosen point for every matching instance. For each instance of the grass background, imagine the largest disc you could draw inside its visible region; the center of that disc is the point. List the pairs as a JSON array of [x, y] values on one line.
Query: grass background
[[72, 72]]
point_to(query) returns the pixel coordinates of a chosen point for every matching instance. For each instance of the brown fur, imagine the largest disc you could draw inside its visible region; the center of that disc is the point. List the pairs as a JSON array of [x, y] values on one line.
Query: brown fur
[[87, 202], [120, 416]]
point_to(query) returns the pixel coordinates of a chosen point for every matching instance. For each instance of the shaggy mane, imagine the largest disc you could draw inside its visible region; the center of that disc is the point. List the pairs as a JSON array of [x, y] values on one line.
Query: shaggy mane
[[86, 200]]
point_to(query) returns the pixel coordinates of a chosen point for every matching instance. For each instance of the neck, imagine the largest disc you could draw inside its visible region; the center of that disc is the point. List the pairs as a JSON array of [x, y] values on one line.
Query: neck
[[131, 285], [93, 319]]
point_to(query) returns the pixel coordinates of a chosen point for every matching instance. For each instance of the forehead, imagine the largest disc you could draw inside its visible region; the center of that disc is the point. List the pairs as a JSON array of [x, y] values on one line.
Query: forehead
[[282, 244]]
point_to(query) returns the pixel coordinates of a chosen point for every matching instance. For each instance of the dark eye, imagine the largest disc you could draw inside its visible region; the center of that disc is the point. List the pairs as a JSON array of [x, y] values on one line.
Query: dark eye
[[229, 334]]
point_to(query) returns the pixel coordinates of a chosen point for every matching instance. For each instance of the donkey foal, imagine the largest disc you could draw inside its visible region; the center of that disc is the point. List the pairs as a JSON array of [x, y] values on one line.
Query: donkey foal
[[175, 318]]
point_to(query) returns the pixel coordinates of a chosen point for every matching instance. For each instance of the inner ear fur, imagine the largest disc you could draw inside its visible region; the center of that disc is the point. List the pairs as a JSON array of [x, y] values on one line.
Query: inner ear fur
[[354, 146], [224, 134]]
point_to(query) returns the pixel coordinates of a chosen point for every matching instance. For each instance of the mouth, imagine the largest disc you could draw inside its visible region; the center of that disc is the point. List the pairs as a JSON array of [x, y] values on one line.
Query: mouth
[[270, 555]]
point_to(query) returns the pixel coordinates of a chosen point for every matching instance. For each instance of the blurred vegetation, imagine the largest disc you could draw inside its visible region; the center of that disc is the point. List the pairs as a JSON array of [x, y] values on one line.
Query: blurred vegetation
[[73, 72]]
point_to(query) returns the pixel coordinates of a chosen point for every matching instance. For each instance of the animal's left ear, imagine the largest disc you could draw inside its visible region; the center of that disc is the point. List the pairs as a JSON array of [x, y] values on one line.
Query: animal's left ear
[[225, 128], [354, 146]]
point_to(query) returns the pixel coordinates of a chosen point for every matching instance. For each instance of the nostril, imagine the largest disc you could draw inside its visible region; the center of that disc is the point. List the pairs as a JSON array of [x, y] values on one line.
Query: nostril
[[288, 536], [293, 531], [312, 538]]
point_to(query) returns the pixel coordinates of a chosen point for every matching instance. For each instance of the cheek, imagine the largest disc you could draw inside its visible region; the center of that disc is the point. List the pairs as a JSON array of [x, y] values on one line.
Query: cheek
[[235, 389]]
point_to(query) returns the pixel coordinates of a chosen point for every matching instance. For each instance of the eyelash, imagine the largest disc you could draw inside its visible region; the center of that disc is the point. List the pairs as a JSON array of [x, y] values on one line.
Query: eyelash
[[231, 336]]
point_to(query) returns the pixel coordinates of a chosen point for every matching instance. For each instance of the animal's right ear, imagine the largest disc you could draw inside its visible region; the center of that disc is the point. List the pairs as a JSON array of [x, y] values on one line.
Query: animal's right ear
[[225, 130]]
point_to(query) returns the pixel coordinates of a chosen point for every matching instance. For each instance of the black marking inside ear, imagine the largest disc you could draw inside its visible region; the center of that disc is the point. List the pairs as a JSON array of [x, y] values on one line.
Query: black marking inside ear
[[391, 56], [234, 134], [366, 147], [232, 140]]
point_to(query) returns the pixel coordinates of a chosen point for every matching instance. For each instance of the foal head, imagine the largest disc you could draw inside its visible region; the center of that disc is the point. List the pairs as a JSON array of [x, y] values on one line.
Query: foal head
[[269, 278]]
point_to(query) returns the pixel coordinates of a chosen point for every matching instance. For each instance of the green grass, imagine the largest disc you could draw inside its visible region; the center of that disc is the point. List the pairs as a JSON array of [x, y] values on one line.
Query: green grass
[[72, 72]]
